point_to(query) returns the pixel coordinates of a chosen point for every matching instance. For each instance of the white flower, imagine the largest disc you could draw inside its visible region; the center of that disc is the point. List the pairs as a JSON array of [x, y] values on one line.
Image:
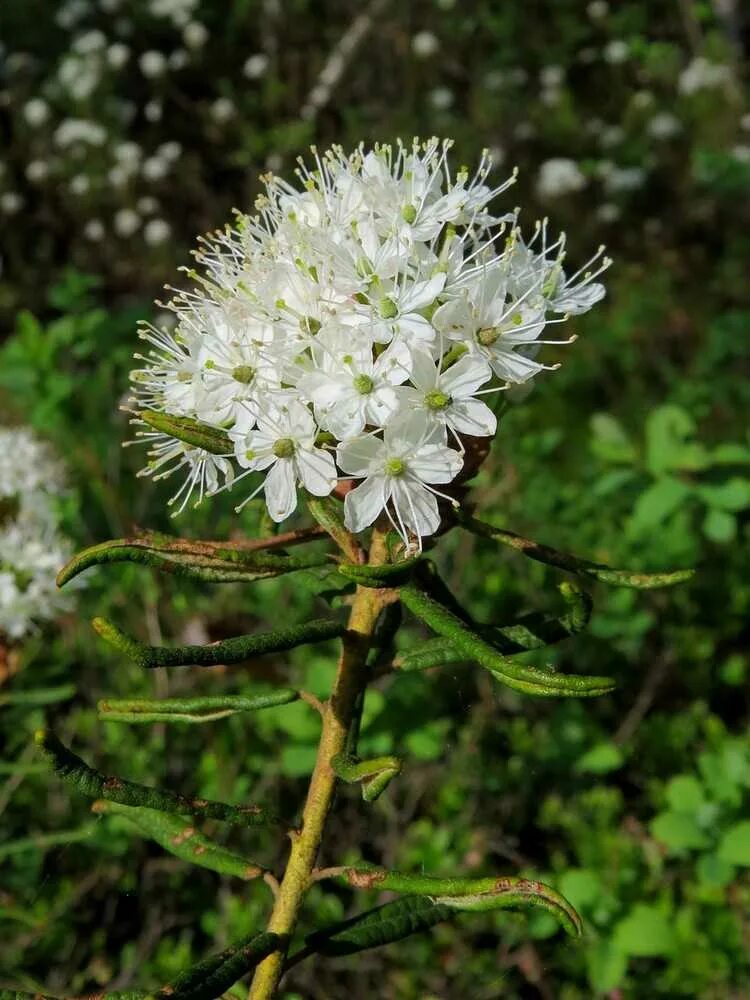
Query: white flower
[[156, 231], [616, 51], [126, 222], [255, 66], [36, 111], [664, 125], [195, 34], [398, 474], [446, 397], [424, 44], [117, 55], [365, 309], [284, 445], [701, 74], [222, 109], [559, 176], [153, 63]]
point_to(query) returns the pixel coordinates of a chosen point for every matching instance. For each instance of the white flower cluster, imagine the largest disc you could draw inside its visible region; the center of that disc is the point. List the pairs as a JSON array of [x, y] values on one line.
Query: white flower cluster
[[31, 548], [352, 328]]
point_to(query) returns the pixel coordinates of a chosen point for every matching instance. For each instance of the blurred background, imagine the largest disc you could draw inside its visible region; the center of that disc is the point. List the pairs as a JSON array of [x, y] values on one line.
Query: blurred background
[[128, 128]]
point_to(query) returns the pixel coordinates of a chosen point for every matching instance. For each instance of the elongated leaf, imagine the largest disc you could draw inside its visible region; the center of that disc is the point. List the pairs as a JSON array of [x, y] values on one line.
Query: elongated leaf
[[379, 926], [573, 564], [39, 696], [531, 631], [42, 841], [192, 432], [386, 575], [180, 838], [235, 650], [76, 772], [527, 680], [374, 774], [469, 893], [214, 976], [190, 710], [205, 561], [327, 512]]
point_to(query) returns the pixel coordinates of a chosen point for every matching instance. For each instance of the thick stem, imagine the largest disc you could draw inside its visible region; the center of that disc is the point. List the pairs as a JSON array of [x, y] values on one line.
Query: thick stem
[[339, 716]]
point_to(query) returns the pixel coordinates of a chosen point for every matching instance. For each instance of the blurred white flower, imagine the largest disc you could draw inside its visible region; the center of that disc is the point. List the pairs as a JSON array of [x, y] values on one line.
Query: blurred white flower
[[494, 80], [126, 222], [664, 125], [10, 202], [643, 99], [177, 11], [109, 6], [127, 152], [170, 151], [559, 176], [68, 14], [441, 98], [609, 136], [222, 109], [37, 171], [36, 111], [255, 66], [741, 153], [619, 179], [117, 55], [424, 44], [608, 212], [745, 122], [155, 168], [80, 184], [152, 63], [701, 74], [153, 111], [156, 231], [615, 52], [72, 131], [79, 76], [195, 34], [178, 59], [597, 9], [147, 205], [89, 42], [119, 175], [552, 76]]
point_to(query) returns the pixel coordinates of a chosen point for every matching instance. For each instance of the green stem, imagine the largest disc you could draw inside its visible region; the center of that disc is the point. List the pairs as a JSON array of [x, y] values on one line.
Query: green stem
[[339, 716]]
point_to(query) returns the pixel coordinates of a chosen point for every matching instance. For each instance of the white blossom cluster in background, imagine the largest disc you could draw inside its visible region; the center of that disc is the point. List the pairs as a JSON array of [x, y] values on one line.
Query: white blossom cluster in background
[[357, 327], [32, 549]]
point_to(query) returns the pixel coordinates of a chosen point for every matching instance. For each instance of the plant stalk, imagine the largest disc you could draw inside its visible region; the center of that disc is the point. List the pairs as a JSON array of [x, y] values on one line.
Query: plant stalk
[[340, 715]]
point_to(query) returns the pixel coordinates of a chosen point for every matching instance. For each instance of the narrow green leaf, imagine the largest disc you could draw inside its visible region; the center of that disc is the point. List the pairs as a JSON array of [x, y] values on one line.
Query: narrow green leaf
[[39, 696], [572, 564], [192, 432], [214, 976], [76, 772], [327, 512], [180, 838], [386, 575], [42, 841], [375, 774], [196, 560], [190, 710], [527, 680], [379, 926], [235, 650], [469, 893]]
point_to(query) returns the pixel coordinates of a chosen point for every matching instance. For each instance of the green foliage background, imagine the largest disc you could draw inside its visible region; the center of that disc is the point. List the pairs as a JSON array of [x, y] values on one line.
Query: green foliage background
[[636, 453]]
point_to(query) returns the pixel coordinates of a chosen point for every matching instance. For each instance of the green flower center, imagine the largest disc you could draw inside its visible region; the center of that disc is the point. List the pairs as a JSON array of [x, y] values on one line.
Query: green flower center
[[488, 336], [437, 400], [363, 384], [409, 213], [395, 467], [284, 448], [388, 308], [244, 374]]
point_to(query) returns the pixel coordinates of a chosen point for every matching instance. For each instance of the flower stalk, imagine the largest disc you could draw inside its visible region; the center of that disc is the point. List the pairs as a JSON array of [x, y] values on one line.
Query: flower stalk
[[340, 716]]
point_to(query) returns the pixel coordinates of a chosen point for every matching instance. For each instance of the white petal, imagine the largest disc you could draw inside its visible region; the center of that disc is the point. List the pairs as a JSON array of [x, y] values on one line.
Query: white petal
[[424, 371], [281, 489], [435, 463], [416, 507], [472, 416], [347, 418], [465, 376], [513, 367], [356, 456], [422, 293], [417, 327], [363, 504], [317, 470]]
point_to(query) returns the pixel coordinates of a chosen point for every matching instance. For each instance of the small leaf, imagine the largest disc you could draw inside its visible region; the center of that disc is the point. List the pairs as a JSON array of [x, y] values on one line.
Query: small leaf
[[731, 495], [607, 966], [192, 432], [678, 831], [190, 710], [734, 846], [209, 562], [379, 926], [375, 774], [527, 680], [714, 872], [719, 526], [609, 440], [572, 564], [180, 838], [327, 513], [235, 650], [476, 894], [581, 886], [385, 575], [657, 502], [644, 933], [685, 794], [76, 772], [215, 975], [600, 759]]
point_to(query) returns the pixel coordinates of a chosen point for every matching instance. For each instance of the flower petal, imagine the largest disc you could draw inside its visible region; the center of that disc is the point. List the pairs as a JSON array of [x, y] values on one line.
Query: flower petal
[[281, 489], [363, 504], [317, 470]]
